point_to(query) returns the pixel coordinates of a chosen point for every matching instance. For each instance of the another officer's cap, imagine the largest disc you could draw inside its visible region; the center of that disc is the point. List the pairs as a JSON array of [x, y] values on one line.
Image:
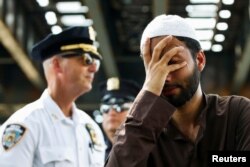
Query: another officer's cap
[[78, 38], [118, 91]]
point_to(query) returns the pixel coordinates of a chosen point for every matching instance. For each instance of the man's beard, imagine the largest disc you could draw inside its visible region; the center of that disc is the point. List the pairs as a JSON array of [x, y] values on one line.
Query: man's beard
[[187, 92]]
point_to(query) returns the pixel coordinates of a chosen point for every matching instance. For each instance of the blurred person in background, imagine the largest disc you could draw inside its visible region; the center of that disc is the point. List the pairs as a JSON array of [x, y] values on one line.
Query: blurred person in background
[[117, 97], [52, 131], [172, 121]]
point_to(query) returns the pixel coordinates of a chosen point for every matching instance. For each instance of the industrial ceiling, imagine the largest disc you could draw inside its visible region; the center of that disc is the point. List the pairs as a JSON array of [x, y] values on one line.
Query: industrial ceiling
[[223, 27]]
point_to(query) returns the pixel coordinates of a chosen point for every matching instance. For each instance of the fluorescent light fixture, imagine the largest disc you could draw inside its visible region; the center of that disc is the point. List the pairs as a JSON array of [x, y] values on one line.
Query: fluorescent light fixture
[[202, 14], [43, 3], [217, 48], [205, 23], [51, 18], [225, 14], [205, 45], [71, 7], [228, 2], [204, 34], [204, 1], [222, 26], [56, 29], [76, 20], [219, 38], [10, 18], [202, 8]]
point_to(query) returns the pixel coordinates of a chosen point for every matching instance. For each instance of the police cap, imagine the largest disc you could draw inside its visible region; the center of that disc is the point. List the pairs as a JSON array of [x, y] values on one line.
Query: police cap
[[118, 91], [80, 38]]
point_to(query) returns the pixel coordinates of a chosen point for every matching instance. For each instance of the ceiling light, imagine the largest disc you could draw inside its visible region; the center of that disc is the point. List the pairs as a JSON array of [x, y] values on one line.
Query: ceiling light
[[51, 18], [219, 38], [225, 14], [76, 20], [222, 26], [56, 29], [205, 23], [202, 8], [204, 1], [205, 45], [227, 2], [202, 14], [217, 48], [43, 3], [71, 7], [204, 34], [10, 18]]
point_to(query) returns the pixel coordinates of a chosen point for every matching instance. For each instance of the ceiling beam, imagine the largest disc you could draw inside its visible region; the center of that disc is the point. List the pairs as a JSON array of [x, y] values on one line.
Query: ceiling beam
[[242, 68], [16, 51], [160, 7], [96, 15]]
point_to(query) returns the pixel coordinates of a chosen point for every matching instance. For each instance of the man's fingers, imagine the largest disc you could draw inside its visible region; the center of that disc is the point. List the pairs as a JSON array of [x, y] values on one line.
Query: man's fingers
[[170, 54], [159, 48], [174, 67], [146, 52]]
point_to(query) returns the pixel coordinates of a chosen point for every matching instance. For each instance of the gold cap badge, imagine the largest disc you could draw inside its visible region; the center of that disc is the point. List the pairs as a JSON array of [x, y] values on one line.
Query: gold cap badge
[[113, 84]]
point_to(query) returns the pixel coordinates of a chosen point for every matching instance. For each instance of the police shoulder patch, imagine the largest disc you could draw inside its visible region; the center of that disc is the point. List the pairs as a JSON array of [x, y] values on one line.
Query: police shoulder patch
[[13, 133]]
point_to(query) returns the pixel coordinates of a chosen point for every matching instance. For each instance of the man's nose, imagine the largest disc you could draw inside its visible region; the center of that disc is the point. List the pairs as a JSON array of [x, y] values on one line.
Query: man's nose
[[112, 111], [94, 67], [169, 77]]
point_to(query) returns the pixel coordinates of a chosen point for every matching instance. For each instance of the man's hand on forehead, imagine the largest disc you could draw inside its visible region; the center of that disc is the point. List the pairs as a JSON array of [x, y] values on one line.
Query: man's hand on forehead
[[157, 64]]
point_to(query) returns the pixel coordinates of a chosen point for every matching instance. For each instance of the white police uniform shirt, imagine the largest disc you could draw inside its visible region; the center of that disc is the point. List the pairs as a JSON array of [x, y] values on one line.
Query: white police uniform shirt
[[39, 135]]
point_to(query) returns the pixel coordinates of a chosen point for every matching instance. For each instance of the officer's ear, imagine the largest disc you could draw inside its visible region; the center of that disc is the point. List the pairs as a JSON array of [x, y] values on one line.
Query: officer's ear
[[200, 60], [56, 64]]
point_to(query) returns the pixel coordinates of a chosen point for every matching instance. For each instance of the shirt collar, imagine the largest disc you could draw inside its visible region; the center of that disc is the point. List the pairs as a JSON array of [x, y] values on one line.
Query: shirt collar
[[53, 109], [174, 133], [76, 115]]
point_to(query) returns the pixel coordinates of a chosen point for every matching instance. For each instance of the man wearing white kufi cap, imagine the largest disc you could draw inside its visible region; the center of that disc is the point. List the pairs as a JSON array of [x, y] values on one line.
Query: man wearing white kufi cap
[[168, 25], [173, 122]]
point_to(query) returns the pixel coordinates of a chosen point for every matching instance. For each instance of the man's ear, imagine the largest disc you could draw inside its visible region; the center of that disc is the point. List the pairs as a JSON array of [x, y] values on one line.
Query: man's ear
[[56, 64], [201, 60]]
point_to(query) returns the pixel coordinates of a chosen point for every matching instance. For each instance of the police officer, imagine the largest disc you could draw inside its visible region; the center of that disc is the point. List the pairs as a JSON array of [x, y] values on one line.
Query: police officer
[[52, 131], [117, 97]]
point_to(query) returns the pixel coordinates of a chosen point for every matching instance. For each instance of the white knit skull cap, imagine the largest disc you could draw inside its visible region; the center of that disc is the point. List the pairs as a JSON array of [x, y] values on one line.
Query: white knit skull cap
[[168, 25]]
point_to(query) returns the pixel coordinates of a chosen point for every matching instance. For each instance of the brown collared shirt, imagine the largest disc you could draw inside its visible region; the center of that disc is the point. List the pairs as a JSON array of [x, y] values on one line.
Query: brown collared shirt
[[149, 139]]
